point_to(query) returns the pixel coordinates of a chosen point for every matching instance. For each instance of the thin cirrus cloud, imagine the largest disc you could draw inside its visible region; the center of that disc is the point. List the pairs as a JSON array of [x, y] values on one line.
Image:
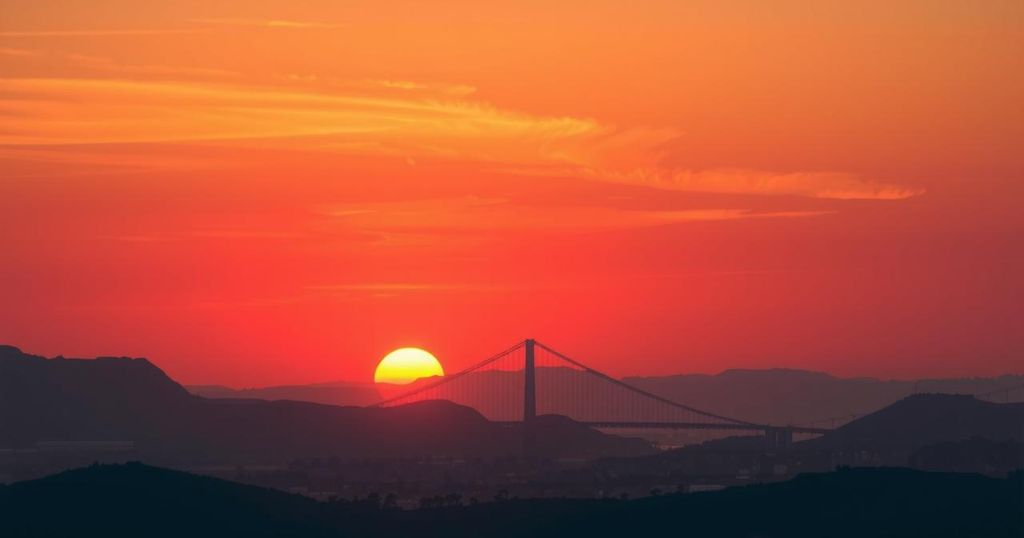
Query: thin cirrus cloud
[[393, 287], [109, 65], [24, 53], [421, 121], [204, 25], [106, 66], [383, 290], [830, 185], [118, 111], [100, 33], [268, 23], [427, 90], [457, 214]]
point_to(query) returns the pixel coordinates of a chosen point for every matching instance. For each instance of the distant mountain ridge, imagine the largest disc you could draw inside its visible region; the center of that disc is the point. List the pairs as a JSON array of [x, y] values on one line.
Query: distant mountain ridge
[[118, 398], [788, 396], [770, 396], [892, 436], [126, 399], [338, 393]]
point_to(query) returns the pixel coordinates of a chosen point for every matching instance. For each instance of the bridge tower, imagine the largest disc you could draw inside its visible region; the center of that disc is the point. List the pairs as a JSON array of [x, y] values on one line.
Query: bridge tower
[[530, 385], [529, 398]]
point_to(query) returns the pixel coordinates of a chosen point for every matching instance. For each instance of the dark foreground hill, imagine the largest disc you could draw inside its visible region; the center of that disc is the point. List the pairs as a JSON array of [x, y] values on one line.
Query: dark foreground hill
[[138, 500], [996, 458], [122, 399]]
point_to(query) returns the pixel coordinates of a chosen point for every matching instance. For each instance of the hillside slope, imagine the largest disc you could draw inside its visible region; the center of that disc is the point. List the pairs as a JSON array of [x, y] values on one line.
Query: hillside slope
[[137, 500]]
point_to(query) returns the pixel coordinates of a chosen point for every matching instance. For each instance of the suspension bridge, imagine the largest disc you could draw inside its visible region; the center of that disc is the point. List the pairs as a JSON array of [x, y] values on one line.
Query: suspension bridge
[[531, 379]]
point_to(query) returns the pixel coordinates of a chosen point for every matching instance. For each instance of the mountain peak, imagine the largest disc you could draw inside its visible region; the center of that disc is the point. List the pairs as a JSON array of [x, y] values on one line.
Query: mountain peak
[[9, 350]]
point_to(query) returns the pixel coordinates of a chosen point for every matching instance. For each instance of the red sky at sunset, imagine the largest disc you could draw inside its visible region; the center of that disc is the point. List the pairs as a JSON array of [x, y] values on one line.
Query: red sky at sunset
[[280, 192]]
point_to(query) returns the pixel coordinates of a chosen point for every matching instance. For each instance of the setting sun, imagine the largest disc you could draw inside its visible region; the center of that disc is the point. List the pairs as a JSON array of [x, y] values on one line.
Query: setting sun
[[407, 364]]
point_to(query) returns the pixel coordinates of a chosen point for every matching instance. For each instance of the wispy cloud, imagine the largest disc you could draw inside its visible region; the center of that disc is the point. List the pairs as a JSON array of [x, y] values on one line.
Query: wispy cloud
[[99, 33], [383, 290], [482, 214], [202, 26], [48, 160], [426, 89], [817, 184], [392, 287], [268, 23], [459, 90], [420, 121], [112, 111], [106, 66], [210, 234], [111, 66], [23, 53]]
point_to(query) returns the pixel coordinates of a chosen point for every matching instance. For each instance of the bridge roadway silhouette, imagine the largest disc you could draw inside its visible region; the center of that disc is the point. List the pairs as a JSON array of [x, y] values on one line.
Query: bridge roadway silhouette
[[632, 407]]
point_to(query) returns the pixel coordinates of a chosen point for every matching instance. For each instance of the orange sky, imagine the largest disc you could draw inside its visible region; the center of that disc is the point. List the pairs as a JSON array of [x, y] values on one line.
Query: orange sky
[[284, 192]]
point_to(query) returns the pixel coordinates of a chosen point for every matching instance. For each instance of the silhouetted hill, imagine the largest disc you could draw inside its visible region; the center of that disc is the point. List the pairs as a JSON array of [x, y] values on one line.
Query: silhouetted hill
[[132, 400], [558, 436], [137, 500], [326, 393], [102, 398], [886, 437], [924, 419]]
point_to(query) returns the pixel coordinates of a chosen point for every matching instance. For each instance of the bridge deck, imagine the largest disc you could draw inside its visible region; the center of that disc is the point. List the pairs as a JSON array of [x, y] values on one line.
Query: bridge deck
[[692, 426], [703, 426]]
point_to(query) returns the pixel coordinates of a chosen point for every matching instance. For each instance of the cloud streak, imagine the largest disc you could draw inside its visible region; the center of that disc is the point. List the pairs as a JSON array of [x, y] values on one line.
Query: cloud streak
[[207, 26], [99, 33], [268, 23], [119, 111], [420, 121], [488, 215], [828, 185]]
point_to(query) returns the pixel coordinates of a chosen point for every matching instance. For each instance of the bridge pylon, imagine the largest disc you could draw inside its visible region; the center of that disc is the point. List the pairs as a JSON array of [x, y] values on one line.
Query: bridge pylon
[[530, 384], [529, 396]]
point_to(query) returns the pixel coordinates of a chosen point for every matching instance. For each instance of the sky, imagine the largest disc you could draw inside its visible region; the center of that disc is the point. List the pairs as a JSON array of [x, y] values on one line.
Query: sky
[[277, 192]]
